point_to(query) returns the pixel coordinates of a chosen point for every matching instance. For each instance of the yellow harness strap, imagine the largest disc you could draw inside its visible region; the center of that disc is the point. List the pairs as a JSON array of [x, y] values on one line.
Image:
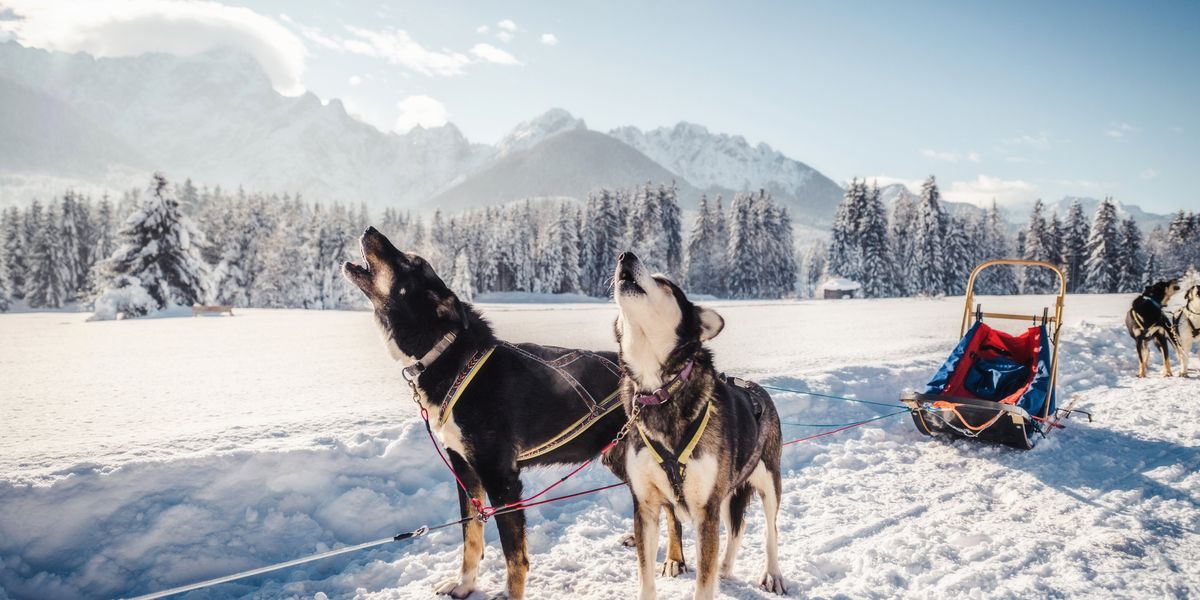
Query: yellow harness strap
[[686, 453], [607, 405], [456, 390]]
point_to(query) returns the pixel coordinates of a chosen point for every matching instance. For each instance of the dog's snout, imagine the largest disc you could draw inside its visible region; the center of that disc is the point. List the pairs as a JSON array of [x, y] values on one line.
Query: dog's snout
[[627, 257]]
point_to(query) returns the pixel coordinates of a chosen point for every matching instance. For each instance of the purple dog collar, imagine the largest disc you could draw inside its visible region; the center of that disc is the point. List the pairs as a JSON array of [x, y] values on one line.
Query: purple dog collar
[[663, 394]]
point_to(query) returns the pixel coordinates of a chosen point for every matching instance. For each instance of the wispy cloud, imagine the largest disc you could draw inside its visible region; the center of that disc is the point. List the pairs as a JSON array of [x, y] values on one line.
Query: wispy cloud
[[397, 47], [1085, 184], [1040, 140], [951, 157], [1148, 173], [983, 189], [507, 25], [549, 39], [420, 110], [355, 79], [483, 29], [116, 28], [493, 54], [1119, 130]]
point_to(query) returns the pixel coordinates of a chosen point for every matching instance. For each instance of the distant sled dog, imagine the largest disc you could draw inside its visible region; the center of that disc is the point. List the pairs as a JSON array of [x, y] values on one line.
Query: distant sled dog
[[493, 404], [704, 443], [1147, 321], [1187, 325]]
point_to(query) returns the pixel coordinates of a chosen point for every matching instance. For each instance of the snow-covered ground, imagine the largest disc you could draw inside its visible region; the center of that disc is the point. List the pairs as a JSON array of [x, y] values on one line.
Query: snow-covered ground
[[144, 454]]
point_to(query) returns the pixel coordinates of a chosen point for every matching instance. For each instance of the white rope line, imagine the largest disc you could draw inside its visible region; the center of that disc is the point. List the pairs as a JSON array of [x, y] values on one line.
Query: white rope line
[[275, 567]]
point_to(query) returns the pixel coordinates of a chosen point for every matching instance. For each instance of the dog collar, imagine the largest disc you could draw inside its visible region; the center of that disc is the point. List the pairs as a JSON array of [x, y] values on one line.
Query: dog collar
[[663, 394], [411, 372]]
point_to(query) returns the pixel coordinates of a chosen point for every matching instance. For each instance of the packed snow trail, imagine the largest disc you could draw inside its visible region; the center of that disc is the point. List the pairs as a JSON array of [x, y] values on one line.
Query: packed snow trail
[[1106, 509]]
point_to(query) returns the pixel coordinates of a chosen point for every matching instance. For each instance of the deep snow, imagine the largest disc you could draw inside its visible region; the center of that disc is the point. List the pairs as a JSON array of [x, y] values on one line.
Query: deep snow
[[143, 454]]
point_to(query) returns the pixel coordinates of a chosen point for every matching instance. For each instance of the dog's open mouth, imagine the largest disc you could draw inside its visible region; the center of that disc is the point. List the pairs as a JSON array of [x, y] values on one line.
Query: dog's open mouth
[[626, 284]]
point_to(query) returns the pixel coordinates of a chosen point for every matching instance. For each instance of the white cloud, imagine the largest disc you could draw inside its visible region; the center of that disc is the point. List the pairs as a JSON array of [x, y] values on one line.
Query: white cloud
[[355, 80], [1120, 130], [507, 25], [974, 157], [1148, 173], [483, 29], [983, 189], [420, 110], [493, 54], [549, 39], [1084, 184], [942, 156], [885, 180], [398, 48], [128, 28], [504, 36], [1040, 140]]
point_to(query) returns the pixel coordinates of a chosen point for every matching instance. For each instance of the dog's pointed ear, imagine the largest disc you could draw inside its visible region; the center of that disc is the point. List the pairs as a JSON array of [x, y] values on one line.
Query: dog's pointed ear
[[711, 323], [451, 308]]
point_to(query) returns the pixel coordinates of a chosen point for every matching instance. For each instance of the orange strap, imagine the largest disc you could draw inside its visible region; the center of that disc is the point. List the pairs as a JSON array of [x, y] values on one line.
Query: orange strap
[[952, 407]]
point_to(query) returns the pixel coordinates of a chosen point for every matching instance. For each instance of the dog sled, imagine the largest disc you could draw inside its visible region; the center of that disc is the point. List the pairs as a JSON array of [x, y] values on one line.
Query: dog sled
[[995, 386]]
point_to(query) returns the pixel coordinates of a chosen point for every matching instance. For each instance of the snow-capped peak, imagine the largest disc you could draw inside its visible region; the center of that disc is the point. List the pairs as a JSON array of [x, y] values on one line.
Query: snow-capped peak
[[533, 131]]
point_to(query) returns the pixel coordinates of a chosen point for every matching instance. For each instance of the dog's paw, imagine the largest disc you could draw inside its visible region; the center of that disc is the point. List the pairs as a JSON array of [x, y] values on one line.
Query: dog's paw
[[673, 568], [773, 583], [454, 588], [628, 541]]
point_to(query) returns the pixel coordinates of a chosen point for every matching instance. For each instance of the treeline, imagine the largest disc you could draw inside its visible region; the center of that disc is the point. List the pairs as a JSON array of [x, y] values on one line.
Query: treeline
[[179, 244], [918, 248]]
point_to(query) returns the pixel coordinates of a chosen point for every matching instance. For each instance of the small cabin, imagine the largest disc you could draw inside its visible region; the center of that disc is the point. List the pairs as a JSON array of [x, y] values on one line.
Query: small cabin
[[836, 288]]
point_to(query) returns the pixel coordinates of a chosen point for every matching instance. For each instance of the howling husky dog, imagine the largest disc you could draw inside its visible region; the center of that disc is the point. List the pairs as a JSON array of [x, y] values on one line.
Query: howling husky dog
[[704, 444], [493, 404], [1187, 325], [1148, 321]]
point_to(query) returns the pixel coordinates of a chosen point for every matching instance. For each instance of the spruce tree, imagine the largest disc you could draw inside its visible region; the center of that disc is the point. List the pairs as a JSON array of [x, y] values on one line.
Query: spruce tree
[[568, 223], [47, 283], [671, 232], [1074, 247], [1038, 246], [744, 263], [158, 250], [900, 235], [720, 245], [877, 268], [1104, 252], [845, 251], [1132, 259], [1001, 280], [929, 242], [463, 282], [814, 267], [699, 271], [12, 241]]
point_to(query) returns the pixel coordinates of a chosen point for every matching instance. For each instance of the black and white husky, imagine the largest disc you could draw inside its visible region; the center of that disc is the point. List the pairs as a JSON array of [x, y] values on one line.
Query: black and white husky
[[522, 396], [1187, 325], [1147, 321], [704, 444]]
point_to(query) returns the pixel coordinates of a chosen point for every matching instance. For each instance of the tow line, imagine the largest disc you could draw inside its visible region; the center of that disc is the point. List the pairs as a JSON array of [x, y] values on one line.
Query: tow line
[[488, 512]]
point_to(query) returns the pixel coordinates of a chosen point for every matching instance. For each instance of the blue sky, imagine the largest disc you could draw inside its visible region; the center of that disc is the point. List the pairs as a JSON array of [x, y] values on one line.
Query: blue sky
[[1012, 100]]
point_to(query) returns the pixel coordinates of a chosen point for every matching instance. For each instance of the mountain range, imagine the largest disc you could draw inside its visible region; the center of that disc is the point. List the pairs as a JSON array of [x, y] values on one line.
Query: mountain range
[[75, 120], [72, 120]]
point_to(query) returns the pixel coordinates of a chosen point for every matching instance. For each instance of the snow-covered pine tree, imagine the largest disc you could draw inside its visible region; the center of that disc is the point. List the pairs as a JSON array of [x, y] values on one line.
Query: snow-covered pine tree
[[47, 283], [814, 268], [5, 297], [568, 219], [13, 242], [700, 271], [671, 233], [900, 235], [1182, 245], [783, 264], [548, 271], [1054, 233], [71, 241], [158, 251], [1131, 258], [930, 269], [958, 254], [720, 247], [845, 251], [1104, 253], [463, 282], [189, 198], [104, 227], [1038, 246], [1000, 280], [743, 261], [1074, 246], [877, 268]]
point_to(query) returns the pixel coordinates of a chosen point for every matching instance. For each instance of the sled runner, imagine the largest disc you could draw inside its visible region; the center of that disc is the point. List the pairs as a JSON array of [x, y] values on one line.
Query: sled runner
[[995, 386]]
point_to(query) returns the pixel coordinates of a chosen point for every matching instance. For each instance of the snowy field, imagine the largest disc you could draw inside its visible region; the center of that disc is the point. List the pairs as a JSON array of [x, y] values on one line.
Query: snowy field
[[144, 454]]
